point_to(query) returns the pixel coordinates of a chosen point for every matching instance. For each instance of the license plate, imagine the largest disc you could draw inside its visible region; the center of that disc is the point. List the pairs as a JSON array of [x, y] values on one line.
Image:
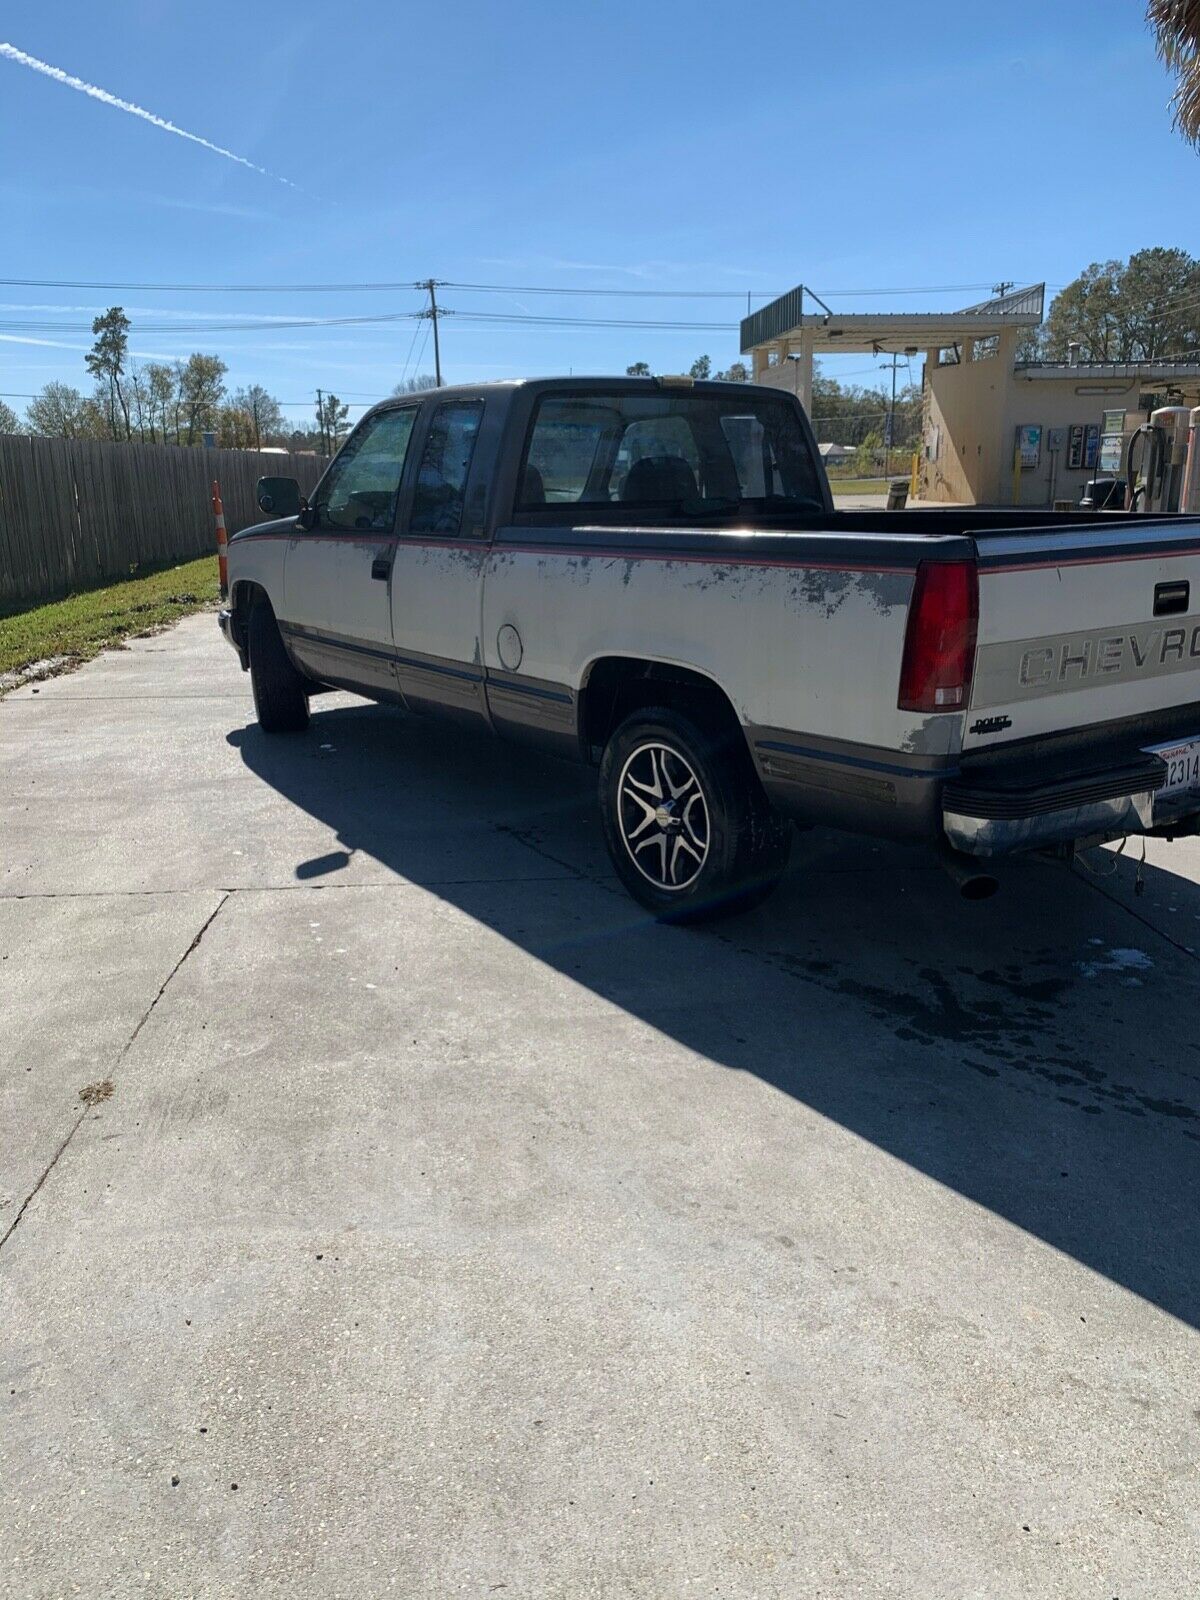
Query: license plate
[[1183, 768]]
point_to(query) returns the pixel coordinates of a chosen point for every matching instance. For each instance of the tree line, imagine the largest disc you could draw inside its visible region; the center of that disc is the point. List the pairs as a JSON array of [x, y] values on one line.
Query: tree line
[[1143, 309], [701, 368], [179, 402]]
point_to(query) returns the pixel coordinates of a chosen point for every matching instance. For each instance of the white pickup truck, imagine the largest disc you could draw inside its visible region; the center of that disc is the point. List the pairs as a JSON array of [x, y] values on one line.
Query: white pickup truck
[[650, 575]]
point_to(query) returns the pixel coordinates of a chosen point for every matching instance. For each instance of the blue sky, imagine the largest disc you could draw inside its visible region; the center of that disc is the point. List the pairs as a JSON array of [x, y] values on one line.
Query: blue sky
[[638, 144]]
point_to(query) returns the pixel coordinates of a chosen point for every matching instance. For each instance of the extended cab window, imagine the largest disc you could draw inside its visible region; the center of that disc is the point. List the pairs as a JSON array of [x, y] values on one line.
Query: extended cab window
[[445, 465], [673, 453], [358, 493]]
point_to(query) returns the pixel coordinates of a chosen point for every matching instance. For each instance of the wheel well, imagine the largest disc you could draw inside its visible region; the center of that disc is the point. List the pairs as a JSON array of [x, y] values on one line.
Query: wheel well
[[243, 598], [618, 685], [246, 596]]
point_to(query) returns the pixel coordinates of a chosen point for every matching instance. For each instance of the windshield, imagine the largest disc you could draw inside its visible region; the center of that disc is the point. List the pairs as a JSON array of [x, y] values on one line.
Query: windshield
[[686, 452]]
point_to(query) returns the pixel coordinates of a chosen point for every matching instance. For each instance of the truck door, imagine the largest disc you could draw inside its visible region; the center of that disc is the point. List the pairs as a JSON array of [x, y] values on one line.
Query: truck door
[[338, 619], [437, 570]]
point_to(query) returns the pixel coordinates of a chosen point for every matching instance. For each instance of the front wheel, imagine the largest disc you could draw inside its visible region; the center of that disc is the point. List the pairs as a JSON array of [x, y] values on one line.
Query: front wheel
[[280, 693], [690, 831]]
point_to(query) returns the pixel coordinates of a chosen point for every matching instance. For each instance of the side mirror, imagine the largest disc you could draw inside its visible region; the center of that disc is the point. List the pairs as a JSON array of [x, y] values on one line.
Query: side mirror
[[279, 497]]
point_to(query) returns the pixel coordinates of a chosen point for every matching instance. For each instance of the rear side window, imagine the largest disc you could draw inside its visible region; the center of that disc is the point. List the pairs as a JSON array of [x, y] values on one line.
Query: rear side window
[[445, 466], [666, 452]]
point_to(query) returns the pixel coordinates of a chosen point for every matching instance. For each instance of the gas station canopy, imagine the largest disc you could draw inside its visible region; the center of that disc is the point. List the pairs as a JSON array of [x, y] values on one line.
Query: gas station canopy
[[785, 328], [784, 321]]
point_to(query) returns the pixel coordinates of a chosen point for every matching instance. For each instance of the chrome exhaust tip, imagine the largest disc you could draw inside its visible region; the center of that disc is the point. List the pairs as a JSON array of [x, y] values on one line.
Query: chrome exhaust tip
[[974, 882]]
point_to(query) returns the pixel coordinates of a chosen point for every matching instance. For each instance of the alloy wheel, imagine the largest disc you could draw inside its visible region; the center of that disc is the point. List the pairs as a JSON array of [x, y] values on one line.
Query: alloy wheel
[[663, 816]]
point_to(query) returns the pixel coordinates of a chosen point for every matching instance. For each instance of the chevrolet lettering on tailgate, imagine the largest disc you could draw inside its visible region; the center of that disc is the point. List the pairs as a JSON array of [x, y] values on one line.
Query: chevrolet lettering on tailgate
[[1034, 667]]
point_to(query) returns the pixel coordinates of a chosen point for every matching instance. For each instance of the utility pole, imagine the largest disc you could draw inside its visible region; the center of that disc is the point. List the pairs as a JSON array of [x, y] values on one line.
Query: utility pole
[[257, 434], [894, 362], [321, 419], [1002, 288], [430, 285]]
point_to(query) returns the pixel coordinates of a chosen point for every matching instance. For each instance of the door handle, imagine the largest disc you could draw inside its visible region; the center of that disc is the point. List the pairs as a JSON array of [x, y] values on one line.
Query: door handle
[[381, 568]]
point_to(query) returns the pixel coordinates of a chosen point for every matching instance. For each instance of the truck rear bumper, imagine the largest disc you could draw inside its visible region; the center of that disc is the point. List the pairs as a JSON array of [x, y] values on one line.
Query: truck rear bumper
[[1096, 822], [994, 818]]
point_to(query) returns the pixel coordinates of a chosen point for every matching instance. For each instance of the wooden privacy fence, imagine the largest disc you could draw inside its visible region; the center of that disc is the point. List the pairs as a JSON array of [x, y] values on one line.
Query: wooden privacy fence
[[74, 512]]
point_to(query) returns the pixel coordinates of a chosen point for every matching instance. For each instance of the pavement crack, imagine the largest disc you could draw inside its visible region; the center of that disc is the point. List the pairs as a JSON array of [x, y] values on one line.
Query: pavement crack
[[49, 1168], [125, 1049], [532, 840], [305, 887], [145, 1017]]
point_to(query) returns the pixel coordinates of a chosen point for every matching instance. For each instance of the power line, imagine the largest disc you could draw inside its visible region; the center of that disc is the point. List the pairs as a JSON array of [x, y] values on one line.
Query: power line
[[412, 344], [705, 294], [393, 287], [263, 326], [203, 288], [421, 351], [509, 318], [647, 294]]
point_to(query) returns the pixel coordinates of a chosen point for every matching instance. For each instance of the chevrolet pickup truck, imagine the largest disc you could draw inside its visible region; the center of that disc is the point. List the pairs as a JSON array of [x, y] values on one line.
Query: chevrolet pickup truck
[[649, 575]]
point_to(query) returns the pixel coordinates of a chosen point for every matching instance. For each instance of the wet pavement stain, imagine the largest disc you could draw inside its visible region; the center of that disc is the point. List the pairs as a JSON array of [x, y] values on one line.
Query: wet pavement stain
[[1012, 1026]]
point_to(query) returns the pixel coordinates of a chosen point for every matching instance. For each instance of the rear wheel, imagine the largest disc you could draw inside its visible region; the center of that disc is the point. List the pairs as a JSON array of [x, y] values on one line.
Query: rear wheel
[[689, 829], [280, 693]]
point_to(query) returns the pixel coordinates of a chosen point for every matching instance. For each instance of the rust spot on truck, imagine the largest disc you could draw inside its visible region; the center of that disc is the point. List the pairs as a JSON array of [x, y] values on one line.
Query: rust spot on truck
[[934, 736], [820, 589]]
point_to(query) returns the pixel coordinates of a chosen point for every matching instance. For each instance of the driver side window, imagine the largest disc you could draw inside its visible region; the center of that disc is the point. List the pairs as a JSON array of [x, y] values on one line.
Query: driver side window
[[359, 492]]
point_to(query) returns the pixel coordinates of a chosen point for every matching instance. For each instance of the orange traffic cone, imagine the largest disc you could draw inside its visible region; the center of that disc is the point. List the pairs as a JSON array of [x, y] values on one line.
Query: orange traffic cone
[[222, 540]]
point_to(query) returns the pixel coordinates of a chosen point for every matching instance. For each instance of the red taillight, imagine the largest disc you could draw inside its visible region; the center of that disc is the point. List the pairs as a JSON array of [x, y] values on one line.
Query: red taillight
[[939, 644]]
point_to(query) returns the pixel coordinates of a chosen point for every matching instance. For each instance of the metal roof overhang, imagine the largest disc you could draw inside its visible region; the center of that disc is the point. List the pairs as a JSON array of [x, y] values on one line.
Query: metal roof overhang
[[1085, 371], [894, 330], [784, 321]]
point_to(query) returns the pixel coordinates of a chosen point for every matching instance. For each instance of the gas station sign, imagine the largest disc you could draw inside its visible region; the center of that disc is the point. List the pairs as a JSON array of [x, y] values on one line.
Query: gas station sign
[[1112, 442]]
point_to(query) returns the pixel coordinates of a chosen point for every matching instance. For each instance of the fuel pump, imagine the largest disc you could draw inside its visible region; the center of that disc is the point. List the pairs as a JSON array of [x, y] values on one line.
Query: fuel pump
[[1159, 448], [1189, 494]]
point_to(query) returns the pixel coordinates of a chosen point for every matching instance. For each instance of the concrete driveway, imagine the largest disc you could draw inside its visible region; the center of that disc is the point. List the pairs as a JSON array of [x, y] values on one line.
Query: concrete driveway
[[432, 1224]]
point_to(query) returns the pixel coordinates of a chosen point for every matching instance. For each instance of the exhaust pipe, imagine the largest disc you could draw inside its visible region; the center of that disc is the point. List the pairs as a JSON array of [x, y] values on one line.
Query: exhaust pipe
[[974, 883]]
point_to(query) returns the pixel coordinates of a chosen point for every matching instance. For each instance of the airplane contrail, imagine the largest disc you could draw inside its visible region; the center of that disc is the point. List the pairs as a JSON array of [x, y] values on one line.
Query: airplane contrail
[[11, 53]]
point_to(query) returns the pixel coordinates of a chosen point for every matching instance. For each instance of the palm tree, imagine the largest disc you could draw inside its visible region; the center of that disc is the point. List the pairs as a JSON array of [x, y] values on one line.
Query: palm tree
[[1177, 24]]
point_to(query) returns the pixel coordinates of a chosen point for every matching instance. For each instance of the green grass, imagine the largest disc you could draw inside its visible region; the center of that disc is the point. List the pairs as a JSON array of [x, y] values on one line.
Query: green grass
[[82, 625], [859, 485]]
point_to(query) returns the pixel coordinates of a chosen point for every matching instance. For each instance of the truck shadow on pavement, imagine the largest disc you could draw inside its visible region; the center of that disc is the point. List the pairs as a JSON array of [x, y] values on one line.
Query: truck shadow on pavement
[[1037, 1053]]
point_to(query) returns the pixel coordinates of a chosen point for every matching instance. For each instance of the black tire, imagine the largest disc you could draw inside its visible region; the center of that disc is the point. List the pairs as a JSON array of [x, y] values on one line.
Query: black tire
[[280, 693], [713, 845]]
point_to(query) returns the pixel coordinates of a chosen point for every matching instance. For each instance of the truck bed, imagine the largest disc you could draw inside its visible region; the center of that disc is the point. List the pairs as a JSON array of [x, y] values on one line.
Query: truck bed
[[977, 522]]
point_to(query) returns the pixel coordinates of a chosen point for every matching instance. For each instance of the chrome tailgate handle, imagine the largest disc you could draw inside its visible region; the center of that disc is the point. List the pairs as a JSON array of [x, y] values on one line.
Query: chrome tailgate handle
[[1171, 599]]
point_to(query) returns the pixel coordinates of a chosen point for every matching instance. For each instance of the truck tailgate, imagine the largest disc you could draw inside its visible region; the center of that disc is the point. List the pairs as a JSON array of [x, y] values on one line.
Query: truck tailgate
[[1083, 626]]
